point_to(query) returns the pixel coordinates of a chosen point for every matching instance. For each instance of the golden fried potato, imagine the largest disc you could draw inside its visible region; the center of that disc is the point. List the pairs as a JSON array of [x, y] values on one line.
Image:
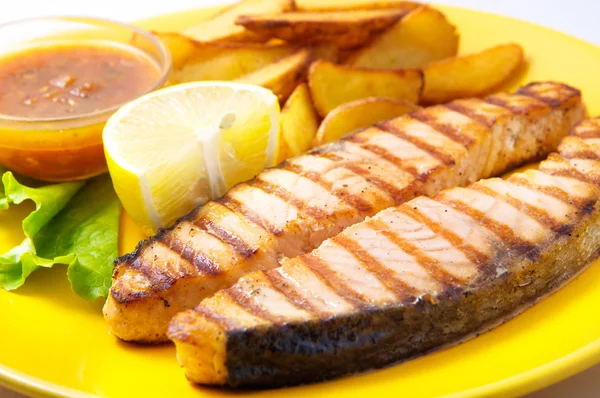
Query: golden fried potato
[[471, 75], [421, 37], [358, 114], [222, 27], [181, 47], [226, 61], [282, 76], [346, 5], [346, 29], [298, 124], [326, 51], [332, 85]]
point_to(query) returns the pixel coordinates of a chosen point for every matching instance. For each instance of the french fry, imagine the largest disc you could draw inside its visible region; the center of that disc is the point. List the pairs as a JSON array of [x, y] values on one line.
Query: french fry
[[347, 29], [355, 115], [222, 27], [346, 5], [421, 37], [298, 123], [326, 51], [282, 76], [471, 75], [332, 85], [181, 47], [222, 61]]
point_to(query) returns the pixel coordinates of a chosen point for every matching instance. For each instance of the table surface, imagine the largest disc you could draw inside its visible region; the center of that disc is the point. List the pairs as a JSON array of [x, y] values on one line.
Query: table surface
[[576, 17]]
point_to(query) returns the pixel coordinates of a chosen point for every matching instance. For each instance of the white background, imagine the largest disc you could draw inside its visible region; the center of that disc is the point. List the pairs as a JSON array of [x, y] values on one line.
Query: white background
[[576, 17]]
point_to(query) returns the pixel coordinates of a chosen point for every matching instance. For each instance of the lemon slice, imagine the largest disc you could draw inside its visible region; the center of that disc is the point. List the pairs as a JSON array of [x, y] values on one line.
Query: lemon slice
[[176, 148]]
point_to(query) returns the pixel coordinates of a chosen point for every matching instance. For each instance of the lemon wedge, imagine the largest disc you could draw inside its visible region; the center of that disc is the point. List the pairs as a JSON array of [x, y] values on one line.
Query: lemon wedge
[[177, 148]]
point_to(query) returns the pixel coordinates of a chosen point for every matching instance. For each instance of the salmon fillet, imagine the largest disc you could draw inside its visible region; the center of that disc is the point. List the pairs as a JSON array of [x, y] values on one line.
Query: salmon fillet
[[289, 210], [414, 277]]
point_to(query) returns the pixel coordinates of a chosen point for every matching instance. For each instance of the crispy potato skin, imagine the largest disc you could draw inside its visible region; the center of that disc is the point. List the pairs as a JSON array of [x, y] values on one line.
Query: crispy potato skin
[[222, 28], [283, 75], [332, 85], [423, 36], [227, 61], [348, 29], [471, 75], [298, 123], [348, 5]]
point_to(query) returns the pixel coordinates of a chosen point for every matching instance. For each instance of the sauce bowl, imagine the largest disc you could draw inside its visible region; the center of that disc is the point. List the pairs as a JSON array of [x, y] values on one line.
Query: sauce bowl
[[68, 147]]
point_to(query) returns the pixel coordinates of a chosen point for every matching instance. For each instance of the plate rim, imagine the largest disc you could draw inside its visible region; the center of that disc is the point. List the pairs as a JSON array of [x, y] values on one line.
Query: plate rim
[[523, 383]]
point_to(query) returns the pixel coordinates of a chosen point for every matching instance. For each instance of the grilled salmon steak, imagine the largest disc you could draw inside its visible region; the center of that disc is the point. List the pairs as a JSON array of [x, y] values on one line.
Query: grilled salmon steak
[[428, 272], [289, 210]]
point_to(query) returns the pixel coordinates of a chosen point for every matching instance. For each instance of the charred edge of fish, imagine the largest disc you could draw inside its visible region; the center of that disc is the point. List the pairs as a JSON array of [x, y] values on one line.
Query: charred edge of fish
[[589, 206], [127, 297], [129, 257], [432, 150], [159, 279], [487, 122], [377, 337], [446, 129]]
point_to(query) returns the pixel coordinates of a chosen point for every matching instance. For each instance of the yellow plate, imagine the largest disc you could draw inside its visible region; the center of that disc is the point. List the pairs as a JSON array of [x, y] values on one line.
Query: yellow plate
[[54, 344]]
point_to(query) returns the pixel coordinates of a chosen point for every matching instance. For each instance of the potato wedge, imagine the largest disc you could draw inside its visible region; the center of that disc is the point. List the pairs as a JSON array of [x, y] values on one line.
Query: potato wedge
[[358, 114], [222, 27], [298, 124], [282, 76], [332, 85], [326, 51], [421, 37], [222, 61], [346, 5], [470, 75], [181, 47], [347, 29]]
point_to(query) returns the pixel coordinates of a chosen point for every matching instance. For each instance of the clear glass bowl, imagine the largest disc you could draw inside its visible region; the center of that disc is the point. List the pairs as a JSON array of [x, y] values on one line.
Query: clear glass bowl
[[67, 148]]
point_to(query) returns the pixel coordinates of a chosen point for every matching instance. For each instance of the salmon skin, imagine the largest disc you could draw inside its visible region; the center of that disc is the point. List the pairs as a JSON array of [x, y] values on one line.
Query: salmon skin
[[289, 210], [426, 273]]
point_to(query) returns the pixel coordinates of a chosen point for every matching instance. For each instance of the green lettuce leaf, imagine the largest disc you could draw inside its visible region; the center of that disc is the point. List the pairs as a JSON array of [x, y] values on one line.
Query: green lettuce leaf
[[74, 223]]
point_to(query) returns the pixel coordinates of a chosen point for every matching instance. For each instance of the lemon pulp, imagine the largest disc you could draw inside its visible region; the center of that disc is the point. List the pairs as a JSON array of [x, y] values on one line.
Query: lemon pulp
[[176, 148]]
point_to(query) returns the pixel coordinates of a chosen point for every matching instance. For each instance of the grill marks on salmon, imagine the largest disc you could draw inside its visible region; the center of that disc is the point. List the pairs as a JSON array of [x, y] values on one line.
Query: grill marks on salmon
[[288, 211], [426, 273]]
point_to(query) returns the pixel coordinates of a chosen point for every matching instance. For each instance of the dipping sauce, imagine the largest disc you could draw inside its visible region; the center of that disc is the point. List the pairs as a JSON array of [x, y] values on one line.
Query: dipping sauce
[[72, 79]]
